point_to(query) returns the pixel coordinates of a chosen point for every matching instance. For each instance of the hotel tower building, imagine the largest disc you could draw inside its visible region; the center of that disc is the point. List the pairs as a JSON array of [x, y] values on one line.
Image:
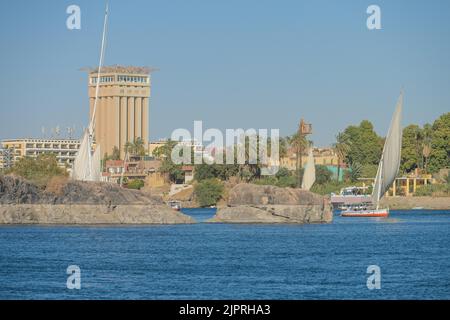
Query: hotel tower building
[[122, 108]]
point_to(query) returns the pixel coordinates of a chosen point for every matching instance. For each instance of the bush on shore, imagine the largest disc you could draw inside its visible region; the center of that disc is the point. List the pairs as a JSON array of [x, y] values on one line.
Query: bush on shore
[[433, 190], [208, 192], [39, 171], [136, 184]]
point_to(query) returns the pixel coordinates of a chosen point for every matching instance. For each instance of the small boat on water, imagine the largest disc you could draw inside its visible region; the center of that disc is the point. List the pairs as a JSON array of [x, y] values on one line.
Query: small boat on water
[[176, 205], [351, 197], [387, 168]]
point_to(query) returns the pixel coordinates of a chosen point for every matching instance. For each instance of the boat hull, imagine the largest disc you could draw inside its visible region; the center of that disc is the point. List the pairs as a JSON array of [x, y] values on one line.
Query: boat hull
[[379, 213]]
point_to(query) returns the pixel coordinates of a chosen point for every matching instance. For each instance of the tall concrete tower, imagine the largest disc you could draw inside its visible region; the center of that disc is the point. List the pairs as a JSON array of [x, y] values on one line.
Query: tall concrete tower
[[122, 109]]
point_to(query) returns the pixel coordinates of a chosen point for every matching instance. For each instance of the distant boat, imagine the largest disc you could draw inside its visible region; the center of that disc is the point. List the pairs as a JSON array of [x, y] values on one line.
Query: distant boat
[[387, 168], [309, 176], [351, 197], [87, 163], [176, 205]]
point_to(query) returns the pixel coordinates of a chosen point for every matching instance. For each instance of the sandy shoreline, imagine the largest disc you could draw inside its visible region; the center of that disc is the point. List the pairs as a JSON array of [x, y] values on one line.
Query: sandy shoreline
[[405, 203]]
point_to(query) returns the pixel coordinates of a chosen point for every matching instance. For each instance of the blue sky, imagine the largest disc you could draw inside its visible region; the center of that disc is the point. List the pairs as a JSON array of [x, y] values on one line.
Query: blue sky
[[232, 64]]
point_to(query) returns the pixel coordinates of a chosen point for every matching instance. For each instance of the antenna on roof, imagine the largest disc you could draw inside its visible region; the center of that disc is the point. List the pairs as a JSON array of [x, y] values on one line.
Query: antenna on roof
[[70, 131]]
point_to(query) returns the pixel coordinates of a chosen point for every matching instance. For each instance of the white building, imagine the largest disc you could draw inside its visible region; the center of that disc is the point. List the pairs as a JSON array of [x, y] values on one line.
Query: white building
[[65, 150]]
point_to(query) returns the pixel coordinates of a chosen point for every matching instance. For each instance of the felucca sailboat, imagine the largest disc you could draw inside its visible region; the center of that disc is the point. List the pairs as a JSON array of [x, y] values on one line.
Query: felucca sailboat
[[309, 176], [387, 168], [87, 164]]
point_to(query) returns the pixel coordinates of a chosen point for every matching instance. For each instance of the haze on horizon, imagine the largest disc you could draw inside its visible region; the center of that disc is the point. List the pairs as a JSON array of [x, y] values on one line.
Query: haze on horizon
[[231, 64]]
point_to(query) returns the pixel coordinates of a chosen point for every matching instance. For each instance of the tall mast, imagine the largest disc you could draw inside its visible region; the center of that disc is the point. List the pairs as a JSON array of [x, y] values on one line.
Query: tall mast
[[97, 87], [100, 65]]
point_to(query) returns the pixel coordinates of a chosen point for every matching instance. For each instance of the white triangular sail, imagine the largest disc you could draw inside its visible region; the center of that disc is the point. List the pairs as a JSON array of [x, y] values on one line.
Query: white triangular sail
[[80, 171], [309, 176], [87, 164], [97, 164], [390, 158]]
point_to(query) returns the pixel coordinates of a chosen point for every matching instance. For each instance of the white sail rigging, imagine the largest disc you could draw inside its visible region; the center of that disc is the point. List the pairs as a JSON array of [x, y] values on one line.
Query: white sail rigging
[[309, 176], [390, 158], [87, 164]]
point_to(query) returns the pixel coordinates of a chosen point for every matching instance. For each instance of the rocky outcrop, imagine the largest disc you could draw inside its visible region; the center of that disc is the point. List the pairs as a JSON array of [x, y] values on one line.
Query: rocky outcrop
[[90, 214], [77, 202], [15, 190], [248, 203]]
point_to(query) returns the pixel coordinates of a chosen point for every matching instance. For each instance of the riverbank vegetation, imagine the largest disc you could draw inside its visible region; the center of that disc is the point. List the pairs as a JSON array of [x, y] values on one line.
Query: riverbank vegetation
[[40, 170], [208, 192], [358, 148], [435, 190]]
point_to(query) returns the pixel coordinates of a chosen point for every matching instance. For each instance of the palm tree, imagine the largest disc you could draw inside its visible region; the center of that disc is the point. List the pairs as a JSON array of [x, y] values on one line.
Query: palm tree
[[139, 148], [135, 148], [355, 172], [341, 147], [129, 147]]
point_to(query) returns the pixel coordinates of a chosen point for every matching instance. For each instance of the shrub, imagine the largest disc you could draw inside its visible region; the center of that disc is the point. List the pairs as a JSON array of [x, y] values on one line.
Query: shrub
[[38, 170], [327, 188], [208, 192], [136, 184], [436, 190], [323, 175]]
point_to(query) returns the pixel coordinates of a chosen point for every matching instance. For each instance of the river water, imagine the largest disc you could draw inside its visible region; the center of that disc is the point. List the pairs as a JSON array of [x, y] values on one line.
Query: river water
[[224, 261]]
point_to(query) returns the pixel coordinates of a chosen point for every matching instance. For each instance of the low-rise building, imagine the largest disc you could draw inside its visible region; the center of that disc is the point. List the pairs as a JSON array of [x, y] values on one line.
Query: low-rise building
[[146, 169], [65, 150], [322, 156], [406, 185]]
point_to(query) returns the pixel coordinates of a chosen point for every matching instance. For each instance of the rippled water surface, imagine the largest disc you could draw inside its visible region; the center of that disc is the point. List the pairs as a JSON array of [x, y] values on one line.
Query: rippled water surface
[[224, 261]]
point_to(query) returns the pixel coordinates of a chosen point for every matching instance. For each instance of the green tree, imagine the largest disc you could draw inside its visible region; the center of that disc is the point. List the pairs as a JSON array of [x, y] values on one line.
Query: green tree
[[412, 148], [220, 171], [208, 192], [139, 147], [354, 172], [323, 175], [174, 171], [365, 145], [165, 150], [129, 147], [440, 144], [341, 147], [136, 147], [205, 171], [38, 170], [369, 170], [115, 154]]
